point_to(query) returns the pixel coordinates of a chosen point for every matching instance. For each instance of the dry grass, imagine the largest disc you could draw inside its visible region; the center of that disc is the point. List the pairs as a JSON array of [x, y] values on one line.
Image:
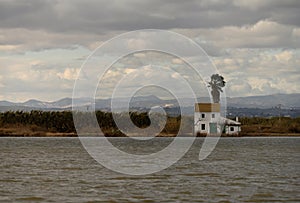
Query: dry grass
[[250, 127], [18, 130]]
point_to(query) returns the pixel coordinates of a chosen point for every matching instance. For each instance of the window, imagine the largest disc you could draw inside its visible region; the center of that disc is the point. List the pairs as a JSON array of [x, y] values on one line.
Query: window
[[213, 115], [203, 115], [231, 128], [202, 126]]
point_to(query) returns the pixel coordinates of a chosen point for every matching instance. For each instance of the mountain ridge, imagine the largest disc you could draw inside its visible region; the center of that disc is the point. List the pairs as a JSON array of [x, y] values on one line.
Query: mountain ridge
[[259, 101]]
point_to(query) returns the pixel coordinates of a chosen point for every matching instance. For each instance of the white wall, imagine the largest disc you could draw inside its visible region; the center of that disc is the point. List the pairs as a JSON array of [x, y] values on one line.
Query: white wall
[[236, 129], [208, 119]]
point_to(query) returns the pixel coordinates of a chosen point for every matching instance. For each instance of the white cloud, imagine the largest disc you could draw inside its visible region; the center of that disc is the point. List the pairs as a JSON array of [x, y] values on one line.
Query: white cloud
[[284, 56], [129, 70], [69, 74], [177, 61], [176, 75], [136, 43], [260, 71], [237, 87], [139, 55]]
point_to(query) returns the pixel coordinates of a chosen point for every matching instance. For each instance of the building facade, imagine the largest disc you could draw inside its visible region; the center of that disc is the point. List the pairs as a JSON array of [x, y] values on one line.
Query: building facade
[[208, 120], [232, 127]]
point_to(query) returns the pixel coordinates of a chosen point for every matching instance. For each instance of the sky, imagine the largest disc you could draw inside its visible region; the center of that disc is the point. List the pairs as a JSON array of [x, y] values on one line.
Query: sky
[[254, 44]]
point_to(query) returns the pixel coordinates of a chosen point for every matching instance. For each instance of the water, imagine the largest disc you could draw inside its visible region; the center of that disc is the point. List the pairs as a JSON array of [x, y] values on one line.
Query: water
[[238, 170]]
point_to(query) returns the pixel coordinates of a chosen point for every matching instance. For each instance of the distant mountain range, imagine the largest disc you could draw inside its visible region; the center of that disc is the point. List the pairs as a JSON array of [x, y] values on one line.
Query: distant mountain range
[[286, 101], [267, 101]]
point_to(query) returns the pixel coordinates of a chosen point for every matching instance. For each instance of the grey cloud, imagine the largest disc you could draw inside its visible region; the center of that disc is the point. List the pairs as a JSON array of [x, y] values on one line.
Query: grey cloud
[[263, 34], [101, 16], [218, 26], [38, 25]]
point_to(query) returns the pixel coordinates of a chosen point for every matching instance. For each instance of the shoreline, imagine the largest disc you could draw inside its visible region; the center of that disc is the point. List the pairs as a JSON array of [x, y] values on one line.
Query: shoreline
[[53, 134]]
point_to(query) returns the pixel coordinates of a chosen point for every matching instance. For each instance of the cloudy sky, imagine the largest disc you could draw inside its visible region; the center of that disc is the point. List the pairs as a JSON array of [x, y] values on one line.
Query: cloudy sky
[[254, 44]]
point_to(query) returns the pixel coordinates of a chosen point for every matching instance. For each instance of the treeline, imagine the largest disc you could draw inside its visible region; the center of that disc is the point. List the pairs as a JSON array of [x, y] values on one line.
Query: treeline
[[62, 121], [51, 121], [21, 122], [270, 125]]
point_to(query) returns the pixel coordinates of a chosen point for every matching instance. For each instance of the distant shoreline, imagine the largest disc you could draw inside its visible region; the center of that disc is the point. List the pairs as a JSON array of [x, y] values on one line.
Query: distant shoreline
[[9, 133]]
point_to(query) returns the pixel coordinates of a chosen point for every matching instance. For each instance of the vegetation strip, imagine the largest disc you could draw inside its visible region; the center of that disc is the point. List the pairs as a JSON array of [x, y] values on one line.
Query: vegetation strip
[[60, 123]]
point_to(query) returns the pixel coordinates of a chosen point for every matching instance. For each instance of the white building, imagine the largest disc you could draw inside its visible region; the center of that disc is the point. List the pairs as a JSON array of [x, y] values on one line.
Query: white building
[[208, 121], [232, 127]]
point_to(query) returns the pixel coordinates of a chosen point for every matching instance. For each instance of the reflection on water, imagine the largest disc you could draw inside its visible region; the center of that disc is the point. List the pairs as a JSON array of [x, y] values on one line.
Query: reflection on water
[[238, 170]]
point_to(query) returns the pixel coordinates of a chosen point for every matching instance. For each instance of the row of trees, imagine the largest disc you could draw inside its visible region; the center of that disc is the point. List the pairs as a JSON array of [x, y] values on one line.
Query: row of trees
[[270, 125], [62, 121]]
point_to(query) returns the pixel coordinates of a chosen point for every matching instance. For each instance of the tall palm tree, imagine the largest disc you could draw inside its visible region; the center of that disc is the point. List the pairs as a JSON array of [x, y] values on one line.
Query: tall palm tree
[[216, 84]]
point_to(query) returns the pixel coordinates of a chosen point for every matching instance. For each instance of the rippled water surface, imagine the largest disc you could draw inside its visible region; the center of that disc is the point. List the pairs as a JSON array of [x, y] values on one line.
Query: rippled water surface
[[238, 170]]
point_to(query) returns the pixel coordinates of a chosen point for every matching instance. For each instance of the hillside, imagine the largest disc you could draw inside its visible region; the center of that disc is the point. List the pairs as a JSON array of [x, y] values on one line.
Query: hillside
[[264, 106]]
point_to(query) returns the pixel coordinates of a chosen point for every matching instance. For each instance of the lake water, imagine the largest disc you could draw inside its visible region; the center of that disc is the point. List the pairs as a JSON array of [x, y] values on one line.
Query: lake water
[[238, 170]]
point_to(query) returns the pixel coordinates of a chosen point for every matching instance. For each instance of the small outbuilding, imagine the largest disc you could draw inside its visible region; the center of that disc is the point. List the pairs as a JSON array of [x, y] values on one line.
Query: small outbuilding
[[232, 127]]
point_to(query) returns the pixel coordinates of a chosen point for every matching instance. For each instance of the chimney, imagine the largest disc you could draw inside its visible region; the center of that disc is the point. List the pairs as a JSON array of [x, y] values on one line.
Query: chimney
[[237, 119]]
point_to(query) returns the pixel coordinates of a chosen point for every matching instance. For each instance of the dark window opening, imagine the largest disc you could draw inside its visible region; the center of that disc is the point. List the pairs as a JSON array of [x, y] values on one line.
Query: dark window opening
[[231, 128], [203, 115], [202, 126]]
